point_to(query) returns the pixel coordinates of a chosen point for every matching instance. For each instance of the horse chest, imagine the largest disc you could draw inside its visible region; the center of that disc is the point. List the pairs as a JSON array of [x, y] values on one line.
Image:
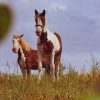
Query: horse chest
[[21, 60], [21, 63], [41, 49], [51, 45]]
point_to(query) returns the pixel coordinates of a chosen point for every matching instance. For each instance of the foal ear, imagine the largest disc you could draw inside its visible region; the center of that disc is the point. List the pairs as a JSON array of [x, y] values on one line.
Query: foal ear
[[21, 35], [43, 13], [36, 12]]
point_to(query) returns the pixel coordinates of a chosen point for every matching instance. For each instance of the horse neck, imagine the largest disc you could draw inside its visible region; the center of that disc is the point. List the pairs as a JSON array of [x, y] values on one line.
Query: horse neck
[[43, 38], [20, 53], [25, 46]]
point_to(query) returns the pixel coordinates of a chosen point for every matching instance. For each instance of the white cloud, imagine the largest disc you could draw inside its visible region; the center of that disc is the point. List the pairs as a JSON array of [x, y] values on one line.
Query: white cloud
[[55, 6]]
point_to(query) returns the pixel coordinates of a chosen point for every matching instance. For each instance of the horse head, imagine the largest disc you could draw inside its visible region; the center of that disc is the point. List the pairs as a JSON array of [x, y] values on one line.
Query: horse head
[[40, 21], [16, 42]]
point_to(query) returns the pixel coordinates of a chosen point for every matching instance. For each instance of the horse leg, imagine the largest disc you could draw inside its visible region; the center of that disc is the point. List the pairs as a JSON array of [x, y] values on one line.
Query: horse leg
[[28, 72], [57, 64], [52, 66], [39, 65], [23, 70], [47, 69], [57, 71]]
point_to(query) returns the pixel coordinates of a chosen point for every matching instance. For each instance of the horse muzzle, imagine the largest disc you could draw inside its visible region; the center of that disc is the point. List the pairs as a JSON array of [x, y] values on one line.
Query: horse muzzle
[[14, 50], [38, 33]]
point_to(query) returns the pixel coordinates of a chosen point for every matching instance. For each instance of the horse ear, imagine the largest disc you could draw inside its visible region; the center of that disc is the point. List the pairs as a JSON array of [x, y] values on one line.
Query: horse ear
[[43, 13], [21, 35], [36, 12]]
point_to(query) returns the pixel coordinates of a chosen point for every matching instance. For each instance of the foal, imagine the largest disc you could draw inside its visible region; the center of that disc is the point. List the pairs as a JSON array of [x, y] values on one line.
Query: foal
[[27, 57], [49, 44]]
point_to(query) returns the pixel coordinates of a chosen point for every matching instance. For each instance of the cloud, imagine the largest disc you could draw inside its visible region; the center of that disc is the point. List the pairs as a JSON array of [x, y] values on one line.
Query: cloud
[[55, 6], [78, 23]]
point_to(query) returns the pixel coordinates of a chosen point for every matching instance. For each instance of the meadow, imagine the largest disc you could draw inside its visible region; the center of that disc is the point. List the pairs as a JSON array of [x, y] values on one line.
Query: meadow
[[71, 86]]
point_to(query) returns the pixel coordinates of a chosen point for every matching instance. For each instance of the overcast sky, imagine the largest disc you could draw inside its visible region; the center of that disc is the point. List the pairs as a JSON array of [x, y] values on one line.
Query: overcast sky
[[77, 21]]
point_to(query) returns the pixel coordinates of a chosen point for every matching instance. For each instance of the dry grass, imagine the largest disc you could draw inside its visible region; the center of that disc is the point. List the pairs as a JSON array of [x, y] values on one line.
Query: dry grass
[[72, 86]]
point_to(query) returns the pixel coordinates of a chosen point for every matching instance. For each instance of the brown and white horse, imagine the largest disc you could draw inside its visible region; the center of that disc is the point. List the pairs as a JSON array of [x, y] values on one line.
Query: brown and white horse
[[27, 57], [48, 44]]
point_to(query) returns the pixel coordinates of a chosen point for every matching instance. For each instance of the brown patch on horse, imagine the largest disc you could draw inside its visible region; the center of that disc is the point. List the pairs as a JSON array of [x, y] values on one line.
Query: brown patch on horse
[[43, 20], [43, 38], [32, 60], [48, 47]]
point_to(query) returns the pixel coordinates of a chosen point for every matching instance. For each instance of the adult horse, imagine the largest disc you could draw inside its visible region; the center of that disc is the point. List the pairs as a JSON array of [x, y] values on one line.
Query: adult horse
[[27, 57], [48, 44]]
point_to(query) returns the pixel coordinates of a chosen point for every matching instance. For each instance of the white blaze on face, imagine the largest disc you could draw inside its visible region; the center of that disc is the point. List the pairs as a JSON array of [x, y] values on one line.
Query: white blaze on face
[[38, 26], [15, 45]]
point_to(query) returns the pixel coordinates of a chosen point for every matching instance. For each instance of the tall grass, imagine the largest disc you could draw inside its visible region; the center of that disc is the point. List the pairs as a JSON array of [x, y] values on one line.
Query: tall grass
[[71, 86]]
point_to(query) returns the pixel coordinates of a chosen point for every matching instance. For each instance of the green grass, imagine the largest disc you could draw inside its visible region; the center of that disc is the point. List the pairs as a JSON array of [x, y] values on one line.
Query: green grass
[[72, 86]]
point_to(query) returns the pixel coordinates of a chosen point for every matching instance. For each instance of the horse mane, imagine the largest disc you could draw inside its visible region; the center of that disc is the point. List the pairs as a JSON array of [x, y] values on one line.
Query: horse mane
[[25, 46]]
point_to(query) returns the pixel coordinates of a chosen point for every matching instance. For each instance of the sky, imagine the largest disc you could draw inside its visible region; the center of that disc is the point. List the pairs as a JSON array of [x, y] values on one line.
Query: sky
[[77, 21]]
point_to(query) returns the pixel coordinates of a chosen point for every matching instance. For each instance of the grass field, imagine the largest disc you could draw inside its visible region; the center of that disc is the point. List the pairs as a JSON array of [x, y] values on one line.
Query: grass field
[[72, 86]]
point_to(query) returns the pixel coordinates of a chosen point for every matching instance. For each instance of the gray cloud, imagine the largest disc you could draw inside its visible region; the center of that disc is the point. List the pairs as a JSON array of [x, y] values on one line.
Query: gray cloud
[[78, 23]]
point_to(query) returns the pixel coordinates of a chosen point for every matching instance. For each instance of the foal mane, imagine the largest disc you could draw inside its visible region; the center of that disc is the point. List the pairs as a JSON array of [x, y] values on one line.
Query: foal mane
[[25, 46]]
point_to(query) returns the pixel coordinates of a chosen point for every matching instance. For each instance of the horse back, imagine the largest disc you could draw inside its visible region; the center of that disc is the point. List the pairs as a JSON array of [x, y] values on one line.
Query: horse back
[[60, 42]]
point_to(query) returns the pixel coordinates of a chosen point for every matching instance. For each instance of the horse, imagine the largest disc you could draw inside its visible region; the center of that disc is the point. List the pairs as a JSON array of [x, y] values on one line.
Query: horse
[[27, 57], [48, 44]]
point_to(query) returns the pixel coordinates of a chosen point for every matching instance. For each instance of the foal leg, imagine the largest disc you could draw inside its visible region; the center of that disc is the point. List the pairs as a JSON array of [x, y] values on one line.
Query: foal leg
[[28, 72], [47, 69], [23, 70]]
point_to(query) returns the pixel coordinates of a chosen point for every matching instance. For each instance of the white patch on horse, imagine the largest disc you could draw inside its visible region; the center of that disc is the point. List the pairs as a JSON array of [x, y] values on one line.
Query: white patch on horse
[[54, 40], [23, 58]]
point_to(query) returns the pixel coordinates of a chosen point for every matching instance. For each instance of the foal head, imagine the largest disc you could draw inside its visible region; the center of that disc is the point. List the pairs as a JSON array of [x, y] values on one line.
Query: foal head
[[16, 42], [19, 42], [40, 22]]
